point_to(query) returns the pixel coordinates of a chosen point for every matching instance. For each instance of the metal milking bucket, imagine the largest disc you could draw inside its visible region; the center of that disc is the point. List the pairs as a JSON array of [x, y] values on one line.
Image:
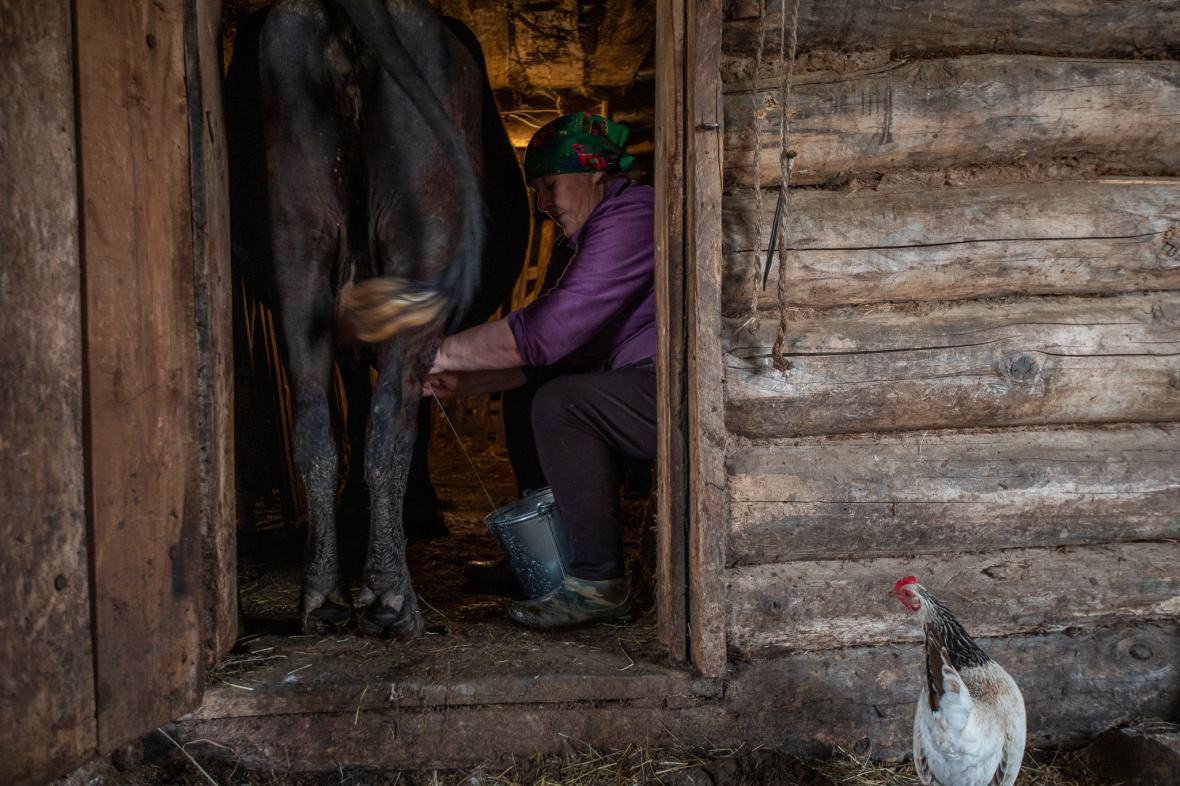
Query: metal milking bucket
[[532, 536]]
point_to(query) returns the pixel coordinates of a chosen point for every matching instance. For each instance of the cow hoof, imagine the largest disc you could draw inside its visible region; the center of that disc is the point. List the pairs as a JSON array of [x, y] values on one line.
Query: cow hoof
[[385, 623], [327, 616], [325, 609]]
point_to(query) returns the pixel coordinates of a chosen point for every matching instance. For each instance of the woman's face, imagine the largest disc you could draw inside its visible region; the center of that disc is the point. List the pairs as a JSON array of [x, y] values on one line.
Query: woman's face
[[569, 199]]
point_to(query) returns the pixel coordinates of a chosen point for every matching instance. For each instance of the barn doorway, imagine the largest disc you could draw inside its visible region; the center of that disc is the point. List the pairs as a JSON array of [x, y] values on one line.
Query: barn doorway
[[544, 59]]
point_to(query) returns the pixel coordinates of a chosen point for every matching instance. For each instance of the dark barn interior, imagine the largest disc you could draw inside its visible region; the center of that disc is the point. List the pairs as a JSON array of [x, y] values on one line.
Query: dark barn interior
[[544, 59]]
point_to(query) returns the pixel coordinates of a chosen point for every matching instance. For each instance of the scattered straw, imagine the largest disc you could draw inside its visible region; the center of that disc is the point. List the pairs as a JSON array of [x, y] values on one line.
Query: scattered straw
[[208, 777]]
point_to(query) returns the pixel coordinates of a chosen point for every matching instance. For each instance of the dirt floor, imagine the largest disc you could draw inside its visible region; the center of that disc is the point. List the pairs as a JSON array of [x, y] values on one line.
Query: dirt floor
[[467, 635]]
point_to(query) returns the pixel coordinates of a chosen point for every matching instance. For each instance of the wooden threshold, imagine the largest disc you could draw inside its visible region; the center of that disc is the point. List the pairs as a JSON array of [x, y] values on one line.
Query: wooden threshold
[[465, 666], [225, 701]]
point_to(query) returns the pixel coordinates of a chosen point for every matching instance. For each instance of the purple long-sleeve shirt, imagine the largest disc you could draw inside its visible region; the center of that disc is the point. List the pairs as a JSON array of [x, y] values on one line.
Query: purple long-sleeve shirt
[[602, 310]]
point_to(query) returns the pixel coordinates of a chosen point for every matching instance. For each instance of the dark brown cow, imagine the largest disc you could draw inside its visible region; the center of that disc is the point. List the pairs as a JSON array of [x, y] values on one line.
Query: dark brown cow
[[382, 146]]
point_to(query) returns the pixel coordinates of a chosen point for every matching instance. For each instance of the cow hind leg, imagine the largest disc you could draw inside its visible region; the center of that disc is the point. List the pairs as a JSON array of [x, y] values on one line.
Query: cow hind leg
[[389, 606], [308, 228]]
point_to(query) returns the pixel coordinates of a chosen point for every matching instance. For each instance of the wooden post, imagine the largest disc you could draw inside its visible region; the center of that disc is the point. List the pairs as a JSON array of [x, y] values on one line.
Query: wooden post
[[213, 304], [144, 477], [706, 425], [672, 478], [47, 681]]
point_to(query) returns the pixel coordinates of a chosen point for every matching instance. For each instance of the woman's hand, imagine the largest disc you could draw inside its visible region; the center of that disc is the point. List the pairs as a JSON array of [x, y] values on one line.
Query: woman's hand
[[447, 384], [455, 384]]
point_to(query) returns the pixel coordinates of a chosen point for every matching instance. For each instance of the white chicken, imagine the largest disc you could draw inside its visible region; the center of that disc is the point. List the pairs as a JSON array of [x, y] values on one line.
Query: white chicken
[[969, 724]]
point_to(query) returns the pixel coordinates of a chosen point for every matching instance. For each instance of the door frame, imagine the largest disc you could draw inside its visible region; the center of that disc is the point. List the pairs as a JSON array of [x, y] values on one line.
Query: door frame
[[692, 507]]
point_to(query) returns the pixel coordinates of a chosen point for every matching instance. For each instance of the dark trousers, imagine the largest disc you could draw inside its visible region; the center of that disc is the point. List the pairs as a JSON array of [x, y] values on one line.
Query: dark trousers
[[580, 426]]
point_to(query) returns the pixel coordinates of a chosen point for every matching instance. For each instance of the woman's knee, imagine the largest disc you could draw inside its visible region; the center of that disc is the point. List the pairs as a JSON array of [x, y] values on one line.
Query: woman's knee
[[554, 404]]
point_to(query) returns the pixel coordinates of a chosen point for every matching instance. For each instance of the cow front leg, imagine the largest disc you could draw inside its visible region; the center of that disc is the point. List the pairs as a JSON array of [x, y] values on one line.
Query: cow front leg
[[388, 603]]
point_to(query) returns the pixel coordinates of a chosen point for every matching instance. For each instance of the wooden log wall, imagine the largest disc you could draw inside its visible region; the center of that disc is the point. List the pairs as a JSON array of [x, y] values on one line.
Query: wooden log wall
[[982, 258]]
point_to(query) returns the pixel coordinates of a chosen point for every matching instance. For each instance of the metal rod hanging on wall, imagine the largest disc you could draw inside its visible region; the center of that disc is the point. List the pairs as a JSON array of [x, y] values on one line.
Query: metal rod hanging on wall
[[778, 214]]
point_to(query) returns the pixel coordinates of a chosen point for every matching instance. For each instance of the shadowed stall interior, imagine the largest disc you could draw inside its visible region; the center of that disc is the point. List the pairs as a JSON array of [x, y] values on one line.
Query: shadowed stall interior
[[544, 60]]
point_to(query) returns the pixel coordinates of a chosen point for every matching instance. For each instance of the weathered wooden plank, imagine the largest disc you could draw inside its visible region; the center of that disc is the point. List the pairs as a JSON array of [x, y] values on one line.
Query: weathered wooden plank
[[214, 320], [963, 110], [1100, 237], [824, 605], [916, 493], [47, 681], [1090, 27], [671, 356], [1075, 686], [225, 701], [141, 364], [706, 426], [959, 365]]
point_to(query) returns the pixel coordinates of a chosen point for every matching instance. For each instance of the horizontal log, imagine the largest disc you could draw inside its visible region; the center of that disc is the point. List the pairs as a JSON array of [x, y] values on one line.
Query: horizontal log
[[1093, 27], [1075, 685], [822, 498], [1097, 237], [825, 605], [957, 111], [226, 701], [959, 365]]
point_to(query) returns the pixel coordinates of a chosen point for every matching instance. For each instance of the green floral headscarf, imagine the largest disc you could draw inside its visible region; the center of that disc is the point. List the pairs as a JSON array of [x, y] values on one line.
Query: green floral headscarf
[[580, 142]]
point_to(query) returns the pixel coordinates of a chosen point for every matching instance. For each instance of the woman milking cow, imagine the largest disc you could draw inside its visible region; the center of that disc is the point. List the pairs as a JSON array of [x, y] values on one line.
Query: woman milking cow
[[577, 362]]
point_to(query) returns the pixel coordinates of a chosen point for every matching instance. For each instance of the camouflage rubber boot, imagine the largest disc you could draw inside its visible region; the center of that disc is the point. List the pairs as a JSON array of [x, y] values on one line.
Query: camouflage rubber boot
[[575, 603]]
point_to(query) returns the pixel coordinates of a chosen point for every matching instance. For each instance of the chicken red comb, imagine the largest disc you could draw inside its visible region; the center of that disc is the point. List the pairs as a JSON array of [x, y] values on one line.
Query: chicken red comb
[[904, 581]]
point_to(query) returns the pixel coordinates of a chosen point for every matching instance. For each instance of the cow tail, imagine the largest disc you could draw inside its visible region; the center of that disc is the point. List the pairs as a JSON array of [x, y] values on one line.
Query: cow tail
[[380, 307]]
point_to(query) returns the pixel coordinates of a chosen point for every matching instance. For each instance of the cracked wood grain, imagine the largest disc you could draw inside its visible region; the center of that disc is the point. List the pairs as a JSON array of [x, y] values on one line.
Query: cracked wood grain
[[923, 493], [965, 110], [822, 605], [1094, 237], [1077, 27], [47, 724], [959, 365]]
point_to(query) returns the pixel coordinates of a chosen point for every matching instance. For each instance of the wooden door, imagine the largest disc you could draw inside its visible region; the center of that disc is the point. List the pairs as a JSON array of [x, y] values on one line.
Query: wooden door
[[692, 501], [47, 721], [116, 580], [140, 363]]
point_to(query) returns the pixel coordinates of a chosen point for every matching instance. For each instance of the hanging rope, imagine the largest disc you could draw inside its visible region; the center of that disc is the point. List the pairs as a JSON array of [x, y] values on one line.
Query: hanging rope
[[787, 161], [759, 107]]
